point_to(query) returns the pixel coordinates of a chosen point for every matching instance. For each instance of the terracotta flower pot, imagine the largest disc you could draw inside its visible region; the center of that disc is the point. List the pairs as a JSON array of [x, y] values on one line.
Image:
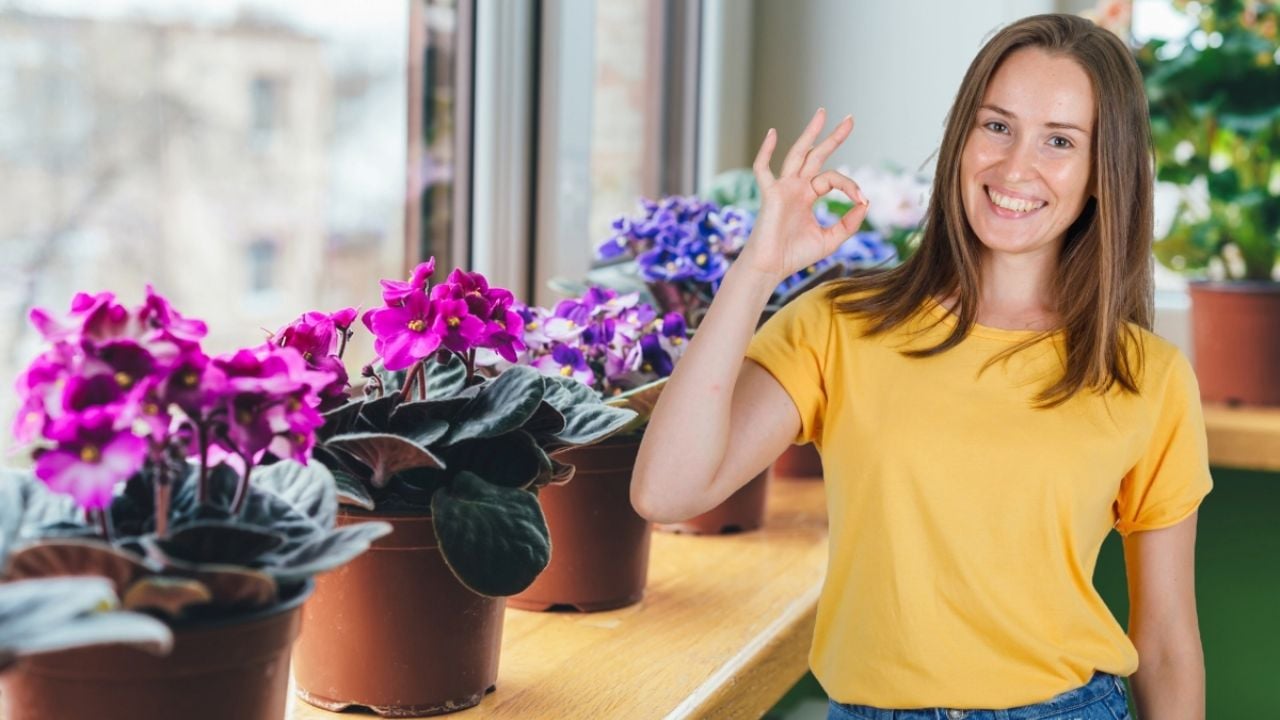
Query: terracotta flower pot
[[1235, 330], [742, 511], [599, 545], [229, 668], [798, 462], [394, 631]]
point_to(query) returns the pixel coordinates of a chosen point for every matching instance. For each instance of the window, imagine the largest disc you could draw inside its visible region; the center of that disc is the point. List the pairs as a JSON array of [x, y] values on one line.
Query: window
[[250, 159]]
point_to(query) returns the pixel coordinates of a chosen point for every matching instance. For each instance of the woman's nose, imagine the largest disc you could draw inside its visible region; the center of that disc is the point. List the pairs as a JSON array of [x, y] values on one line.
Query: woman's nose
[[1019, 162]]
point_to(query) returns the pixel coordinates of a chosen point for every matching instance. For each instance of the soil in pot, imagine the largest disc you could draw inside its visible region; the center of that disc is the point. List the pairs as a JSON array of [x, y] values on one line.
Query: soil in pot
[[394, 630], [599, 544], [228, 668], [743, 511]]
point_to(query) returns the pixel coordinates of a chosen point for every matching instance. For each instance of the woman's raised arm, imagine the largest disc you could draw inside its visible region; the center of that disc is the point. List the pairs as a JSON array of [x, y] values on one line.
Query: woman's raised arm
[[721, 419]]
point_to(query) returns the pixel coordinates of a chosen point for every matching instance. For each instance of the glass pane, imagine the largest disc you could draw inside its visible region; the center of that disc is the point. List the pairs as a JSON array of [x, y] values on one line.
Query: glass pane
[[247, 158]]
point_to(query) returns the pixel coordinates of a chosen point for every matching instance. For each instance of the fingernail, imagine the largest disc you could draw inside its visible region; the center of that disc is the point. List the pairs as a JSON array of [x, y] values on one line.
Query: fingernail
[[822, 109], [847, 117]]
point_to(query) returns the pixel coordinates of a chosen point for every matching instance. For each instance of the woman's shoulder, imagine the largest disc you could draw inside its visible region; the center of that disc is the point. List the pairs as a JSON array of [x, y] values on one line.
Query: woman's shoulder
[[1158, 357]]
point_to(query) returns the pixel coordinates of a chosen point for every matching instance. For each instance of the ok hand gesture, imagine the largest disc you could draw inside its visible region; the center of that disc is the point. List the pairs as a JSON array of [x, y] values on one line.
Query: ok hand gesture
[[787, 237]]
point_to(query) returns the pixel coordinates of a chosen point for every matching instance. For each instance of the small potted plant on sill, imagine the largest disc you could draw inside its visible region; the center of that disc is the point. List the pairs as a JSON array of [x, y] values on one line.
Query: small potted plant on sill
[[1215, 120], [619, 349], [181, 479], [454, 460]]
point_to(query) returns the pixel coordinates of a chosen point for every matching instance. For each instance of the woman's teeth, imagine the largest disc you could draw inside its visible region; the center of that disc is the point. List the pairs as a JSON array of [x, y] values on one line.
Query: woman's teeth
[[1014, 204]]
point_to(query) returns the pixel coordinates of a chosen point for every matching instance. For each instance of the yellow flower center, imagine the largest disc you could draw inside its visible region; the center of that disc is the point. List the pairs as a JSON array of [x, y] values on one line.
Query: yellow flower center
[[454, 322], [701, 259], [500, 324], [531, 326], [190, 379], [306, 356], [677, 340], [647, 367], [566, 370], [293, 404], [417, 325], [90, 454], [244, 417], [151, 409], [572, 324], [124, 379]]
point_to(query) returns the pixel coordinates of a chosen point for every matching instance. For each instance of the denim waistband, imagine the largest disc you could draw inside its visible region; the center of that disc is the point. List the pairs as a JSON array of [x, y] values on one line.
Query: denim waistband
[[1099, 686]]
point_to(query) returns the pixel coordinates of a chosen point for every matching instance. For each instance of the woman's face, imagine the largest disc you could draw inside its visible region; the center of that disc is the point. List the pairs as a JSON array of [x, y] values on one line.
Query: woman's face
[[1025, 170]]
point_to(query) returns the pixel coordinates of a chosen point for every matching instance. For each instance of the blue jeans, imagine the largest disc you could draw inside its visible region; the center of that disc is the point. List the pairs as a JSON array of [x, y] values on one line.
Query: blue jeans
[[1102, 698]]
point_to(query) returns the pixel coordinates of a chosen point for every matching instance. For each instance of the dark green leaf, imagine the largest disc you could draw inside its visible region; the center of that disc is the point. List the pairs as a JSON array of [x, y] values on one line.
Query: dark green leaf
[[375, 414], [329, 551], [309, 488], [502, 405], [494, 538], [585, 424], [385, 454], [445, 380], [351, 489], [510, 460], [47, 615], [339, 420], [218, 541]]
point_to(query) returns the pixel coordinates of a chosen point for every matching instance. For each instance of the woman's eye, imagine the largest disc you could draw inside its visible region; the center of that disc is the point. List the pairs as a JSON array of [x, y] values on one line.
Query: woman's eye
[[996, 126], [1060, 142]]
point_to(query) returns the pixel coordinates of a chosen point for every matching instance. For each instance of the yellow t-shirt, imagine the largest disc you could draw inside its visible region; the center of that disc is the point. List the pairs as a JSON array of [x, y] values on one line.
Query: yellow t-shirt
[[965, 524]]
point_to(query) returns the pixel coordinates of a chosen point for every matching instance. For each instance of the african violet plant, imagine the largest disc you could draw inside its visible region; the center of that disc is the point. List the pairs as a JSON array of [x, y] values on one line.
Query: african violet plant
[[435, 435], [52, 614], [180, 477]]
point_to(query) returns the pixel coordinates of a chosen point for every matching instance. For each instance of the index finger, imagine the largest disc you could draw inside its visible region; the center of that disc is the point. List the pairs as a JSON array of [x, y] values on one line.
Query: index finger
[[764, 176]]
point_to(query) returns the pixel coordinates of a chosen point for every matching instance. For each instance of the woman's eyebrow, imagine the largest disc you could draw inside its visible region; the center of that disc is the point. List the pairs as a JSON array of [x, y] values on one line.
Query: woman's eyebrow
[[1059, 125]]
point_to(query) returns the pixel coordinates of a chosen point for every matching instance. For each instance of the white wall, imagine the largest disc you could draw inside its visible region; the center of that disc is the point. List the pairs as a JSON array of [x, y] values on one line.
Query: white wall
[[895, 66]]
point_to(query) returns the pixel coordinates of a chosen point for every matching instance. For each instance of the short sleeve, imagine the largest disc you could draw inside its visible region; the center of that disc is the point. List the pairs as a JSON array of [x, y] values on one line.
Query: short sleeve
[[1172, 476], [792, 346]]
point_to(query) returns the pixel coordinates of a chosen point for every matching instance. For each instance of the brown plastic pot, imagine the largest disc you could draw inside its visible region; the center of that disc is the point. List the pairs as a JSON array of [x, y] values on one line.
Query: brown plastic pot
[[798, 462], [599, 544], [741, 512], [395, 631], [229, 668], [1235, 329]]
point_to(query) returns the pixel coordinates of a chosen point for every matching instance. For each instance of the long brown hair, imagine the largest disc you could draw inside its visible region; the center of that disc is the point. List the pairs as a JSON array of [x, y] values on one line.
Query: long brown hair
[[1104, 276]]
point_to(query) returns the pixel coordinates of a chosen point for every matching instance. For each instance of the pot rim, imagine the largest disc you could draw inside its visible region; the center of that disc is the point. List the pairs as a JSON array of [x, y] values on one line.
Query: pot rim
[[1236, 286]]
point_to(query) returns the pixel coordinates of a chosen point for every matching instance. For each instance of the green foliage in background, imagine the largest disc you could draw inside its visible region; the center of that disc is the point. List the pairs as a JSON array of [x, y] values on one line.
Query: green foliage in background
[[1215, 115]]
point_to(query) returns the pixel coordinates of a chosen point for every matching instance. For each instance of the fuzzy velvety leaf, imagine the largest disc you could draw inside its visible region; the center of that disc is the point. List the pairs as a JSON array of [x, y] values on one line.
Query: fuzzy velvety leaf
[[446, 379], [546, 420], [351, 489], [559, 474], [588, 423], [39, 616], [309, 488], [502, 405], [339, 420], [385, 454], [493, 538], [413, 489], [375, 414], [328, 552], [417, 421], [221, 542], [34, 511], [59, 558], [511, 460], [563, 393], [184, 503], [167, 595]]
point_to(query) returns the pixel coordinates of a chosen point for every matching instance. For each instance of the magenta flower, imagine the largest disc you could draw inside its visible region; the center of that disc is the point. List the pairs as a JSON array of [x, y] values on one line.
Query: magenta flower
[[404, 334], [343, 318], [457, 328], [91, 458], [395, 291], [158, 315], [315, 335]]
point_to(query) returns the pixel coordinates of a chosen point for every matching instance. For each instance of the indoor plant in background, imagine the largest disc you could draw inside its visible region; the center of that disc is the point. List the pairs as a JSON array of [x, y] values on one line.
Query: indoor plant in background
[[619, 349], [181, 479], [454, 460], [1215, 116]]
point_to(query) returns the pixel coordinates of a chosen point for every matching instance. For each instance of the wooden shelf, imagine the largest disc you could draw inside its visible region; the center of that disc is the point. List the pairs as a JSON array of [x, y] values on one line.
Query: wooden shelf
[[723, 631], [1243, 437]]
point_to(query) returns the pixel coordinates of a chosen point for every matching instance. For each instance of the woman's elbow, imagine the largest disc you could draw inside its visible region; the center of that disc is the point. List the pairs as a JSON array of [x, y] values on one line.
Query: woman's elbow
[[652, 503]]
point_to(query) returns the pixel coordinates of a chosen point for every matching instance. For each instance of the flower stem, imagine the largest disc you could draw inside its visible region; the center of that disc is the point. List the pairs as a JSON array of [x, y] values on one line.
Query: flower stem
[[164, 489], [470, 362], [422, 379], [242, 487], [104, 523], [203, 433], [342, 347]]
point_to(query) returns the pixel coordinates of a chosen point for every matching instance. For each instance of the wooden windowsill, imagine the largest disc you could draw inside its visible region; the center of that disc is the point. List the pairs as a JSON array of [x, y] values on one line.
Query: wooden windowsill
[[1243, 437], [723, 631]]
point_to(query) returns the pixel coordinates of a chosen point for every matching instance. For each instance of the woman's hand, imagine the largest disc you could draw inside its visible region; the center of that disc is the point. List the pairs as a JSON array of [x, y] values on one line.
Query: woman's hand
[[787, 237]]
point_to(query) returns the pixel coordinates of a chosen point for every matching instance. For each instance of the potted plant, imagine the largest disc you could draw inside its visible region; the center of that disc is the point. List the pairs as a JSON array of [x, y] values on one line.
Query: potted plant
[[1214, 98], [619, 349], [183, 480], [455, 461]]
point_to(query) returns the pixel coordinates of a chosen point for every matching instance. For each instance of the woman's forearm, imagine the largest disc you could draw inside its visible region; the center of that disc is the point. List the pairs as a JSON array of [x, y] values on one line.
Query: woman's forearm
[[689, 431], [1170, 688]]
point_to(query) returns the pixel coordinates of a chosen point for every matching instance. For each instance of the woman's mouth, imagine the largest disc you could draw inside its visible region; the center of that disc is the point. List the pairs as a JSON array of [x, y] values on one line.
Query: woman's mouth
[[1011, 207]]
